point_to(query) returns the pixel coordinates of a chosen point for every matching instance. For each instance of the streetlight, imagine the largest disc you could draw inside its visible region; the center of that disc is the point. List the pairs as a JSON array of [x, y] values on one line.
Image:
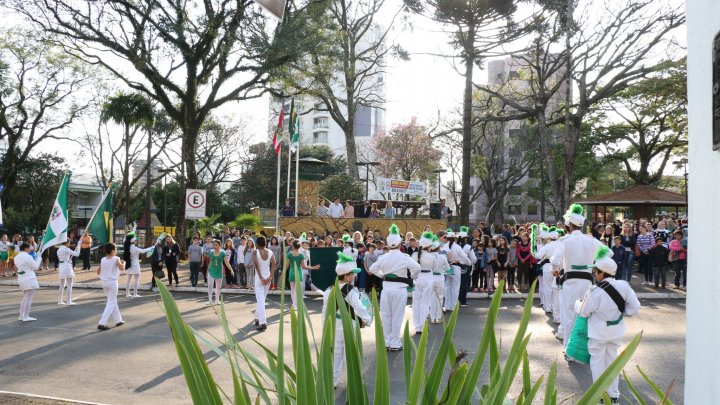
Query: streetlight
[[684, 163], [438, 172], [367, 175]]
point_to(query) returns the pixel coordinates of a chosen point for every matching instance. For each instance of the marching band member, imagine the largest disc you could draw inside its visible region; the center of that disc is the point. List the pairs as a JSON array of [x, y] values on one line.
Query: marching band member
[[422, 296], [132, 264], [456, 257], [109, 271], [393, 268], [544, 254], [465, 271], [605, 305], [346, 270], [26, 267], [575, 255], [65, 271], [438, 286]]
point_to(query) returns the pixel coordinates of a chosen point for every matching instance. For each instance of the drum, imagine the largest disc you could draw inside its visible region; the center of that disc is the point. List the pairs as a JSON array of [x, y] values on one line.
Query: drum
[[577, 347]]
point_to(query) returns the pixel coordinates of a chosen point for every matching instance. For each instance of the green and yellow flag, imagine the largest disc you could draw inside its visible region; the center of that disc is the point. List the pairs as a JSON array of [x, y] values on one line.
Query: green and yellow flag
[[101, 223], [294, 128]]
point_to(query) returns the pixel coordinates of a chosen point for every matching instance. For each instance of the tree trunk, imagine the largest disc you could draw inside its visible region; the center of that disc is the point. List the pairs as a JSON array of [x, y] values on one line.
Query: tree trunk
[[188, 178], [126, 179], [349, 129], [148, 192], [568, 175], [464, 216], [544, 134]]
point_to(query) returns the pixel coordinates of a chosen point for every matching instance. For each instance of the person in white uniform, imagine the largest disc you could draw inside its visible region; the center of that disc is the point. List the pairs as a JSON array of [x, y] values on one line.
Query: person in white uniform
[[544, 253], [438, 287], [575, 254], [556, 286], [65, 271], [264, 273], [465, 271], [456, 257], [26, 267], [132, 266], [605, 305], [393, 268], [422, 296], [346, 270], [109, 272], [539, 238]]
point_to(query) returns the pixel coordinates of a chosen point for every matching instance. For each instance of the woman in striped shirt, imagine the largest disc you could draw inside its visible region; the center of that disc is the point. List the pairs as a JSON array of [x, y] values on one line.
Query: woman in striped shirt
[[645, 242]]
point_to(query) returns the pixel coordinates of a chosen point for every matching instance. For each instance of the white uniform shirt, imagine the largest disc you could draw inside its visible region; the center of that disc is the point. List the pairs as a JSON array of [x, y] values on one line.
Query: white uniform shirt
[[26, 266], [427, 260], [599, 308], [469, 253], [441, 264], [546, 252], [576, 249], [397, 263], [455, 254], [109, 271], [65, 253], [135, 253]]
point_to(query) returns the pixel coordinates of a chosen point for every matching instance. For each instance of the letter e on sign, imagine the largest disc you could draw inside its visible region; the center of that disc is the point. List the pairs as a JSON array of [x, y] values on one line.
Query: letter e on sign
[[195, 203]]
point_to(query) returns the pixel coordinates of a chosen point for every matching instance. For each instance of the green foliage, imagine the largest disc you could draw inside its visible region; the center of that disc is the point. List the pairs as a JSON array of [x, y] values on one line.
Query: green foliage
[[341, 186], [245, 221], [128, 109], [310, 382], [209, 225]]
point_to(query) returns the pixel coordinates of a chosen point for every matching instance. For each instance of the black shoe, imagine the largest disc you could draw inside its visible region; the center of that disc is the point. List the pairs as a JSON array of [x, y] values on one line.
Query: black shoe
[[261, 328], [464, 305], [120, 323], [418, 333], [103, 327]]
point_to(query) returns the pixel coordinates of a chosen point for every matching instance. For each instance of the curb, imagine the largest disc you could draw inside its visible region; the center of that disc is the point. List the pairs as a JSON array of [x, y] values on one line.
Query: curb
[[234, 291]]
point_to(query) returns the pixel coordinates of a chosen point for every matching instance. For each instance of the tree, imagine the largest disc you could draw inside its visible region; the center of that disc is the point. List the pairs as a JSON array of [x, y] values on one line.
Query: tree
[[345, 69], [406, 152], [342, 186], [41, 95], [218, 155], [476, 29], [29, 202], [652, 125], [190, 57], [603, 56], [133, 111]]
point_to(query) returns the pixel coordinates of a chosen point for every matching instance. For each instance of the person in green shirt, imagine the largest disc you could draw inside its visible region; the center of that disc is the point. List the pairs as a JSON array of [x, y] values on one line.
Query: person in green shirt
[[296, 262], [215, 271]]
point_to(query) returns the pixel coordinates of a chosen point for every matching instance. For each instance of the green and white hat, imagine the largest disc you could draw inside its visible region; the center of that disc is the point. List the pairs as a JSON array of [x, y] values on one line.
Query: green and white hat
[[345, 264], [426, 239], [449, 233], [435, 242], [464, 230], [346, 238], [574, 215], [303, 238], [604, 261], [544, 231], [394, 239], [553, 233]]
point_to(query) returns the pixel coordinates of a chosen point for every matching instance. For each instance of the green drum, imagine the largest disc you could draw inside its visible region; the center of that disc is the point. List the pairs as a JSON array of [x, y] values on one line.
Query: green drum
[[577, 347]]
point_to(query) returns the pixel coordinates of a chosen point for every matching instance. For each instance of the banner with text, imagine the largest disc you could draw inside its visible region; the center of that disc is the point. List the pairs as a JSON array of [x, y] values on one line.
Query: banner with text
[[386, 185]]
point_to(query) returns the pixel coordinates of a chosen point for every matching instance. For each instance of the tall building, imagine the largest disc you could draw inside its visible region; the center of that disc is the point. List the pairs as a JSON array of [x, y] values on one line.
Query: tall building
[[512, 72], [138, 166]]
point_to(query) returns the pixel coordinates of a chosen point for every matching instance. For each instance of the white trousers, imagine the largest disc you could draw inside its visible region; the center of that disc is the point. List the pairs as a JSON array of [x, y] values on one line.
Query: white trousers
[[261, 292], [602, 353], [111, 307], [546, 287], [293, 287], [392, 311], [26, 304], [214, 284], [573, 290], [65, 282], [131, 284], [422, 297], [452, 288], [338, 352], [556, 305], [541, 290], [436, 297]]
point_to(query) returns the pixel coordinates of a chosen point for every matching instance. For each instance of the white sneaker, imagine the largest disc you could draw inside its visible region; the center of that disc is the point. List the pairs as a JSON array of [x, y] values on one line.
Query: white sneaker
[[209, 303], [61, 303], [128, 295], [154, 289], [217, 302], [20, 318], [70, 303], [559, 336], [28, 319], [137, 295]]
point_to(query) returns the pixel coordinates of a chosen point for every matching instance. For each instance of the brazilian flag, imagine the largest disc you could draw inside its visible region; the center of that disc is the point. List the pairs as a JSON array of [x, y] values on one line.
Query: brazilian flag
[[101, 223]]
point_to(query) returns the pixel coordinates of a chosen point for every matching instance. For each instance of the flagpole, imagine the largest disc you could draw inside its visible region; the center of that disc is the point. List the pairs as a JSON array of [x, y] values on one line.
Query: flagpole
[[277, 196], [297, 171], [289, 162]]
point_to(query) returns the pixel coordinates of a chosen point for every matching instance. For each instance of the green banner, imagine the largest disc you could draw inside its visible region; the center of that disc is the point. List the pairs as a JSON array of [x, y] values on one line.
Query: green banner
[[324, 277]]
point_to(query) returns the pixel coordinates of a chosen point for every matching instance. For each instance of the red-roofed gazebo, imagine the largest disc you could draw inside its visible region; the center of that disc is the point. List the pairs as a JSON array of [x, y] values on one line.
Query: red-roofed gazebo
[[642, 202]]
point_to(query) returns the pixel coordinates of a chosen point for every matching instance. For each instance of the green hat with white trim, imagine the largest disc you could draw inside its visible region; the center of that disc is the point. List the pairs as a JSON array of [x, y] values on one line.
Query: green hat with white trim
[[449, 233], [604, 261], [345, 264], [394, 239], [464, 230], [426, 239], [574, 215]]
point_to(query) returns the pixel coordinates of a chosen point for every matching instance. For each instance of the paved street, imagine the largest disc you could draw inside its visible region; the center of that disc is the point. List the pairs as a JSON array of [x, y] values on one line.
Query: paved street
[[64, 355]]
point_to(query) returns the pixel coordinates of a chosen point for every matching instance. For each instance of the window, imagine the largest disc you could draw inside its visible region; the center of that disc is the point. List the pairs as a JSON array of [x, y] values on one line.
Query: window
[[320, 137], [321, 122], [532, 210], [514, 75], [472, 209], [515, 190], [514, 209], [318, 106]]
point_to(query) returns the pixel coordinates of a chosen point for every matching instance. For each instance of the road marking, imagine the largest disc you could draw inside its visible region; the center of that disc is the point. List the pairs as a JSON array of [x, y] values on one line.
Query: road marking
[[25, 394]]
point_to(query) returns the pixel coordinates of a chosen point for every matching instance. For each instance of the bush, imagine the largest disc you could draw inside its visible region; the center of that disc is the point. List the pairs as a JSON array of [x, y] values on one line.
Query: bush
[[311, 382]]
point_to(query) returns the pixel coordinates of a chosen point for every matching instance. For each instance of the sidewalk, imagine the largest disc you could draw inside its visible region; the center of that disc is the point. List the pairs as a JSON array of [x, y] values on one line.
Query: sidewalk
[[88, 279]]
